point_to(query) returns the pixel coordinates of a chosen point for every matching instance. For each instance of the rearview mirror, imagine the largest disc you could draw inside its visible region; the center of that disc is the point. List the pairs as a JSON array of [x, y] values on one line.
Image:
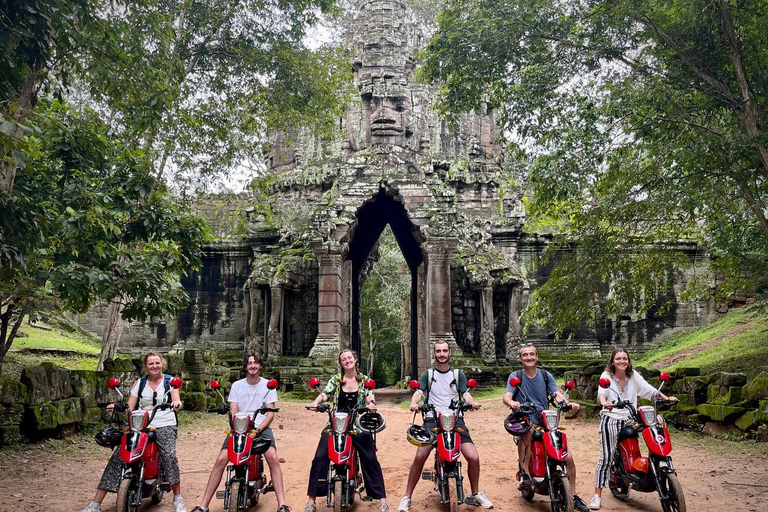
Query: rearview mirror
[[176, 383], [272, 384], [370, 384], [113, 383], [215, 385], [514, 382], [414, 385], [605, 383], [471, 383]]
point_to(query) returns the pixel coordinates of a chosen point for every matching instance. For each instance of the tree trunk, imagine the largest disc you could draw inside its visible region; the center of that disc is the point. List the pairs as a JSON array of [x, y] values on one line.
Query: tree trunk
[[9, 319], [113, 330], [23, 108]]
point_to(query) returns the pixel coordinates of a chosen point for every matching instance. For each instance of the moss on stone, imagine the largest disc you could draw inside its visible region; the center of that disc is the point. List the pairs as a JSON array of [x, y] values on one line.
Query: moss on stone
[[13, 392], [9, 434], [69, 410], [720, 413], [723, 395], [757, 388], [42, 417]]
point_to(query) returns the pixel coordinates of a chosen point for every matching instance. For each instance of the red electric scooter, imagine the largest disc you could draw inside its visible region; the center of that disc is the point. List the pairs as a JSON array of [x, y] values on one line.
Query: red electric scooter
[[344, 476], [447, 468], [630, 470], [143, 474], [246, 481], [549, 448]]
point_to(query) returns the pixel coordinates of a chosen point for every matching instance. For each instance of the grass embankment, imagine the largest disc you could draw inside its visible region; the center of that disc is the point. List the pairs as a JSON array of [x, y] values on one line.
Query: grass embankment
[[61, 343], [736, 342]]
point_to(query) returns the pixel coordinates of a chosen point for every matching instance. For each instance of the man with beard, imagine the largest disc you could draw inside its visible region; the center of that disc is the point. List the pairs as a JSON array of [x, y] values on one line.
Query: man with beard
[[440, 385]]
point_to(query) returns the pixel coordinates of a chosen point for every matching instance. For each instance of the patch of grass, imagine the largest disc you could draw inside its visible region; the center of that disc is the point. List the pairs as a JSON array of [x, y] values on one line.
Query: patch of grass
[[743, 347], [56, 340], [15, 362]]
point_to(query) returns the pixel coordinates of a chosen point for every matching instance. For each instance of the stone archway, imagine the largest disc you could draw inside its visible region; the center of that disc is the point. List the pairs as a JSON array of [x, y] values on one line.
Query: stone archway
[[372, 219]]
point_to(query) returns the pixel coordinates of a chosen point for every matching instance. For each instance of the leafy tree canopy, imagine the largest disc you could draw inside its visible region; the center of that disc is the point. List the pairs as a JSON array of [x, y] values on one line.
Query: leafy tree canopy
[[641, 125]]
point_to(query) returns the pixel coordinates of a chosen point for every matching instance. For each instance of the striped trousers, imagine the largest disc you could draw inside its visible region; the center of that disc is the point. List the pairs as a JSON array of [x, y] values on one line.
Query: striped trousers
[[609, 435]]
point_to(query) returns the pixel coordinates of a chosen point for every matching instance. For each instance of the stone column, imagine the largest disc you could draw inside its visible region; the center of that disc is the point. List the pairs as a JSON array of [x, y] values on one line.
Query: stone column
[[345, 308], [252, 338], [514, 337], [439, 255], [328, 306], [275, 338], [487, 339]]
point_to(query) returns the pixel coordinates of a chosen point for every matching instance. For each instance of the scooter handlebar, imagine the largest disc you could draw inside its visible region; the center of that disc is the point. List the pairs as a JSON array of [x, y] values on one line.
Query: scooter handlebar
[[318, 408]]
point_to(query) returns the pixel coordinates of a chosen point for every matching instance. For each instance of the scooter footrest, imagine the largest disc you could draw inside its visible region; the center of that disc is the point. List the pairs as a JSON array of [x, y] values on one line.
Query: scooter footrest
[[220, 495], [366, 498], [165, 487], [427, 475], [269, 488]]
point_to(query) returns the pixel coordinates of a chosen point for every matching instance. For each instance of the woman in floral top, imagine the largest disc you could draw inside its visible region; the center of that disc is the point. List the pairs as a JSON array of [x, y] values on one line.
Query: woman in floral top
[[344, 391]]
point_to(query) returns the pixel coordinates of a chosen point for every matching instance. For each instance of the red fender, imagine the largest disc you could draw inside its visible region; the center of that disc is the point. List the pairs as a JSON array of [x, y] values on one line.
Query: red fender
[[658, 440]]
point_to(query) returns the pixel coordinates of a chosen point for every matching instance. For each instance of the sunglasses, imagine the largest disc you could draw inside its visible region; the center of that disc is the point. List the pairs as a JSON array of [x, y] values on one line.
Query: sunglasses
[[154, 398]]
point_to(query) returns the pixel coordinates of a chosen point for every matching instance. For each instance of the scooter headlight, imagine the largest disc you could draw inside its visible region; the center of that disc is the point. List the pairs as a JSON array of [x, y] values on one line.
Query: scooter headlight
[[447, 421], [242, 423], [648, 415], [139, 420], [340, 422], [550, 419]]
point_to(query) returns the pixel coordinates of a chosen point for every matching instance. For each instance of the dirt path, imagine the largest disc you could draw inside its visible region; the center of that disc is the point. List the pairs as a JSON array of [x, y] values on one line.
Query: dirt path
[[37, 481]]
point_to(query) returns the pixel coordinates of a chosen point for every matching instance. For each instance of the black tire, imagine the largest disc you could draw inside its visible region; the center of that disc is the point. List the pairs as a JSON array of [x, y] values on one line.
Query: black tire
[[126, 495], [528, 494], [337, 495], [234, 496], [619, 488], [562, 496], [671, 486], [453, 497], [254, 499]]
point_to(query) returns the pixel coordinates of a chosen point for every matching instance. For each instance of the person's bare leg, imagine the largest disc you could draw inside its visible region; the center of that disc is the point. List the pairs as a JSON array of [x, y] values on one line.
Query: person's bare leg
[[570, 465], [524, 451], [176, 488], [276, 474], [422, 453], [215, 478], [99, 496], [473, 465]]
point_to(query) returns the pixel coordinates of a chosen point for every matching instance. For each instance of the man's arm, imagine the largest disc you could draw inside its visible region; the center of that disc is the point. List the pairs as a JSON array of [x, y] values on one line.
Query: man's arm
[[267, 417], [509, 401]]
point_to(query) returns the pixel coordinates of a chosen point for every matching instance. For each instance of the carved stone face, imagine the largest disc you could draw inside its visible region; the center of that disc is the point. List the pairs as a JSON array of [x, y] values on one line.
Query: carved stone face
[[388, 113]]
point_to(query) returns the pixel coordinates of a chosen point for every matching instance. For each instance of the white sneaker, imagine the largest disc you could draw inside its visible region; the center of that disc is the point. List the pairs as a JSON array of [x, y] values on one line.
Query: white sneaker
[[594, 503], [91, 508], [178, 504], [482, 501], [405, 504]]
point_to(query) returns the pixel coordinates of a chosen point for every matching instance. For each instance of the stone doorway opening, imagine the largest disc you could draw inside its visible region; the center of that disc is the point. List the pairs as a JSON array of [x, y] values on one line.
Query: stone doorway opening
[[384, 210]]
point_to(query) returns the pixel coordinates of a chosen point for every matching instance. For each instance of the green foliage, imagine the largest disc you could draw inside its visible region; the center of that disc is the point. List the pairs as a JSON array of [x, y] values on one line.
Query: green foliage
[[640, 123], [733, 343], [85, 222]]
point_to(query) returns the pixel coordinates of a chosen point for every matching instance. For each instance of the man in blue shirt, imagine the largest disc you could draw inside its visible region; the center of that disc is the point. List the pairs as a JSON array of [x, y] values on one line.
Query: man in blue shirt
[[536, 385]]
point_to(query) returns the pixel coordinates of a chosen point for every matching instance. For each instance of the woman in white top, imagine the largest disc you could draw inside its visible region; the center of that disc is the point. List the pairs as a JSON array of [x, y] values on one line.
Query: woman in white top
[[166, 432], [629, 385]]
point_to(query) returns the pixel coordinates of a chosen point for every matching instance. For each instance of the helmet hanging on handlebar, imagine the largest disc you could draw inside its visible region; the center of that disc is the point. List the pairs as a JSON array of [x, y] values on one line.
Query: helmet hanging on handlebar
[[419, 436], [517, 423], [109, 437], [371, 422]]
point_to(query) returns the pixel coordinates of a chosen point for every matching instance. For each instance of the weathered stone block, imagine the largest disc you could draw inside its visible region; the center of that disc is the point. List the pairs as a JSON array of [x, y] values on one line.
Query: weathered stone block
[[194, 401], [13, 392], [42, 417], [92, 415], [757, 388], [749, 420], [696, 386], [91, 386], [9, 434], [69, 410], [716, 430], [194, 386], [682, 420], [723, 395], [721, 413], [679, 373], [11, 414], [686, 403], [46, 382], [120, 365], [728, 379]]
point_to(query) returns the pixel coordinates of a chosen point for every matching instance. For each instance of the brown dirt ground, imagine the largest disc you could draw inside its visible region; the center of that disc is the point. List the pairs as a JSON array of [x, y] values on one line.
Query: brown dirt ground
[[38, 480]]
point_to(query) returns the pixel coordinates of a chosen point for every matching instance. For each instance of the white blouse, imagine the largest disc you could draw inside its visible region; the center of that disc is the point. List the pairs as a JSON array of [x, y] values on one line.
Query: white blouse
[[634, 386]]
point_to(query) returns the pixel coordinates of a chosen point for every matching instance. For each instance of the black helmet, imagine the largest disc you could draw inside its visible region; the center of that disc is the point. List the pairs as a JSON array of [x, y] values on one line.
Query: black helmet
[[371, 422], [419, 436], [517, 423], [109, 437], [260, 445]]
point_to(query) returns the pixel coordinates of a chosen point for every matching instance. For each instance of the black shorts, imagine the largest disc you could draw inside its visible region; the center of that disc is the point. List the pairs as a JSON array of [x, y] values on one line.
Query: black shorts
[[266, 433], [430, 423]]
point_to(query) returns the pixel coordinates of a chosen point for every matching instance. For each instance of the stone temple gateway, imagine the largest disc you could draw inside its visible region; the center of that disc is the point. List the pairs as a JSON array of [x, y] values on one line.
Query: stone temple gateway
[[393, 163], [290, 286]]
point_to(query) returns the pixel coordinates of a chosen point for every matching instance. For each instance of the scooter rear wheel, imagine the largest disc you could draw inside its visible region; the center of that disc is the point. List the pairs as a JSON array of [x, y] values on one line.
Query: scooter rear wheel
[[126, 496], [620, 490], [671, 485], [528, 494]]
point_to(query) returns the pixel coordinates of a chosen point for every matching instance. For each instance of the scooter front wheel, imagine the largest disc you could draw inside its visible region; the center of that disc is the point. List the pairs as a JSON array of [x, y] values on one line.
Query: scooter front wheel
[[675, 498], [126, 496], [234, 496], [338, 496], [562, 501]]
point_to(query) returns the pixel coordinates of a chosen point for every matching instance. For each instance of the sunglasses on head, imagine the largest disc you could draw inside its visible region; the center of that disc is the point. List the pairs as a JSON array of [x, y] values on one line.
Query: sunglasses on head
[[154, 398]]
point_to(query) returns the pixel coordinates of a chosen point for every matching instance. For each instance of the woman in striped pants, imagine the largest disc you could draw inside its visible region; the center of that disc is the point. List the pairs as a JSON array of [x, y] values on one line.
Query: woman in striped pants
[[629, 385]]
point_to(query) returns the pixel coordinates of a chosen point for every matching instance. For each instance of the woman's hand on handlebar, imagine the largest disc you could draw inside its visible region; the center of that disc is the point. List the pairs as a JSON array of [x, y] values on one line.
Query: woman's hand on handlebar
[[176, 405]]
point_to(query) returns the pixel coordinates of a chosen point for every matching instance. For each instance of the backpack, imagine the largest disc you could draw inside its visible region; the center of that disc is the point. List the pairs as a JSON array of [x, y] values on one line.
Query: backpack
[[431, 377], [166, 385]]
